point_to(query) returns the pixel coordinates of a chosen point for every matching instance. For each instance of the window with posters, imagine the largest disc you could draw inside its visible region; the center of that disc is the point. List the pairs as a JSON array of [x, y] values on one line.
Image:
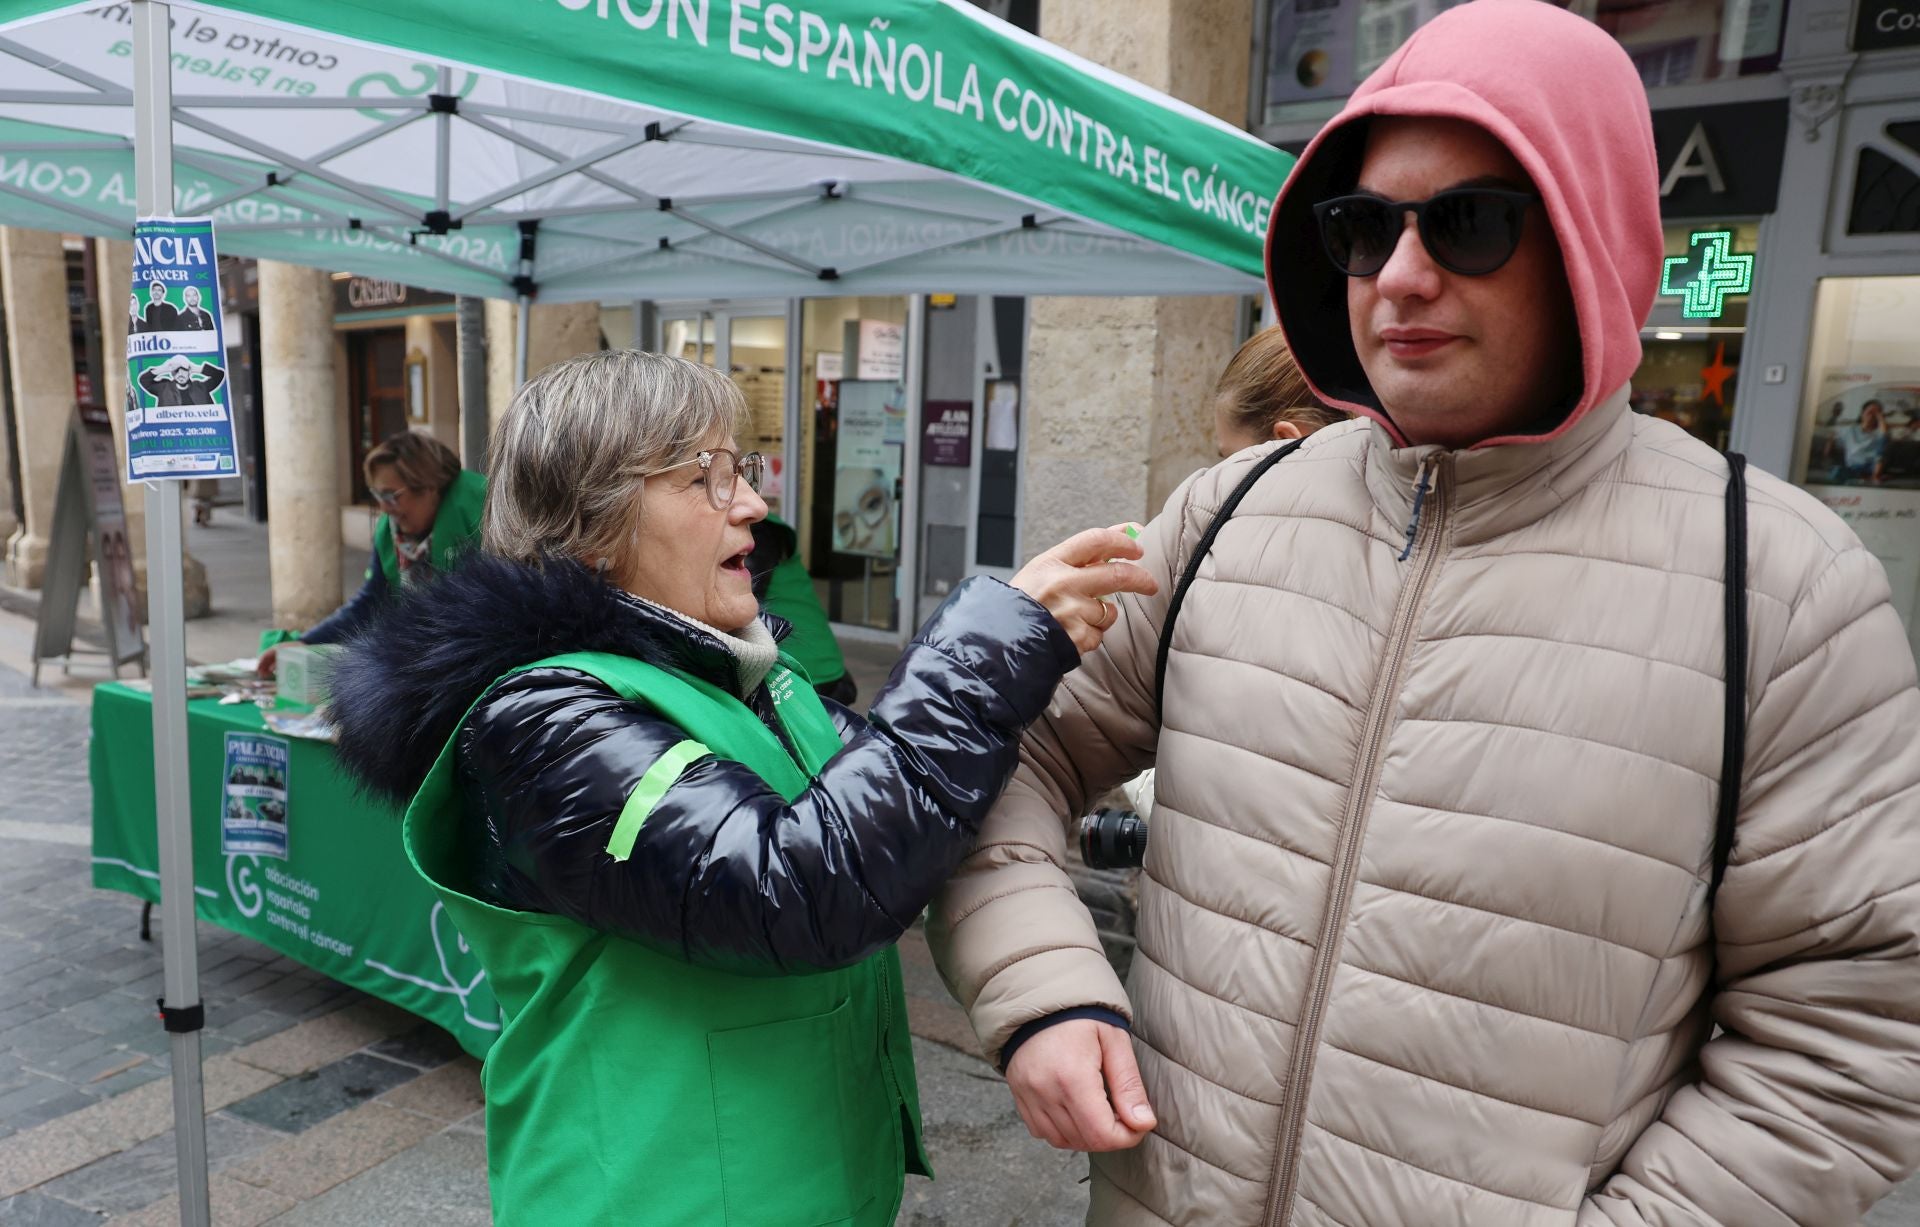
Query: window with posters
[[1860, 426], [1317, 50]]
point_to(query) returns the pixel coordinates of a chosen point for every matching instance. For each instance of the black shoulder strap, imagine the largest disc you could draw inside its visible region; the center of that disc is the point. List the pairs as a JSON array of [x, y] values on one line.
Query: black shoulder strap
[[1733, 743], [1193, 566]]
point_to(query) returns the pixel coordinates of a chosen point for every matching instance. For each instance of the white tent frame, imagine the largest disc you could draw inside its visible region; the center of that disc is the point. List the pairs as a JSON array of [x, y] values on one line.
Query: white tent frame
[[367, 208]]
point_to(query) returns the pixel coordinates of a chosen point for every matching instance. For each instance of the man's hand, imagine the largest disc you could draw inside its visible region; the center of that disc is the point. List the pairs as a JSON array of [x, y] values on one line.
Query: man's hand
[[1078, 1088]]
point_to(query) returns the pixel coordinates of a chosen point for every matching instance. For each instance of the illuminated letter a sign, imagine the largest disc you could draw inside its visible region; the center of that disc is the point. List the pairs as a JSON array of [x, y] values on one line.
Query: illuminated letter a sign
[[1695, 161]]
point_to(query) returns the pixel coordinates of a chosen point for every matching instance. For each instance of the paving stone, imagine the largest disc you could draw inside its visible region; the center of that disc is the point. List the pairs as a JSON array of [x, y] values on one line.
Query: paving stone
[[442, 1181], [42, 1038], [82, 1061], [39, 1210], [27, 1104], [477, 1123], [991, 1170], [233, 1204], [250, 982], [21, 1012], [301, 1102], [70, 986], [450, 1093], [127, 1181], [303, 1003], [228, 1081], [17, 954], [247, 1028], [427, 1046], [116, 1084], [326, 1039], [310, 1163], [211, 1046]]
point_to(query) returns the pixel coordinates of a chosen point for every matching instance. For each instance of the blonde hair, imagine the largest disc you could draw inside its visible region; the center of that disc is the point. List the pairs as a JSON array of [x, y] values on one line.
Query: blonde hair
[[421, 462], [569, 456], [1263, 385]]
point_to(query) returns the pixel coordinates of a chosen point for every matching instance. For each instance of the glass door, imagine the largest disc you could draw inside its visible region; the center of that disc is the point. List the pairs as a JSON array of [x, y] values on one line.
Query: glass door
[[749, 342]]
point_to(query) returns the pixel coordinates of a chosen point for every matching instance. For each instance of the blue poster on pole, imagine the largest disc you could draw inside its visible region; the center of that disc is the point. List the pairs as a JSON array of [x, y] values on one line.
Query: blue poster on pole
[[179, 417]]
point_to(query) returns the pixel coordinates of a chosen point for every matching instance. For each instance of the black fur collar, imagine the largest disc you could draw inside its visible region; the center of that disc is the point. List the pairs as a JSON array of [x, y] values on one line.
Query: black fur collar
[[401, 686]]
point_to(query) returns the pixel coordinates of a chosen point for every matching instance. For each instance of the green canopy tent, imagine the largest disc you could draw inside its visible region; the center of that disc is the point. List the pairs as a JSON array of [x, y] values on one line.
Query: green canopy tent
[[588, 149]]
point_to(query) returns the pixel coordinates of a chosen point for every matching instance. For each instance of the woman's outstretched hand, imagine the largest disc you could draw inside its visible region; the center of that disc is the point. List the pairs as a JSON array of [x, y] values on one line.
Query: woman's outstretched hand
[[1070, 579]]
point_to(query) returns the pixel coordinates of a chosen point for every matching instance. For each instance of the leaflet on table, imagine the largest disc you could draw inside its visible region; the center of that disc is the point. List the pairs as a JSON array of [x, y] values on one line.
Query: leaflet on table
[[179, 416], [306, 725], [253, 815]]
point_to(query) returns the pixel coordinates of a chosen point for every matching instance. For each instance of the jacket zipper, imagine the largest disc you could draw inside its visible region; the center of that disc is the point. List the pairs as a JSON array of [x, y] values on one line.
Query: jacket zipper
[[1428, 528]]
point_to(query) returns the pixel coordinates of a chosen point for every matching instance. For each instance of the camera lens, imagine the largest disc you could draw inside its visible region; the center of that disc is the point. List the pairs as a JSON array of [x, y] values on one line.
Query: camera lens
[[1113, 839]]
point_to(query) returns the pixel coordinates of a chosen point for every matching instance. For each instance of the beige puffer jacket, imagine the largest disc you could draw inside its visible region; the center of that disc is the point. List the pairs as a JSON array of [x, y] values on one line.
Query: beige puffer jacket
[[1471, 987]]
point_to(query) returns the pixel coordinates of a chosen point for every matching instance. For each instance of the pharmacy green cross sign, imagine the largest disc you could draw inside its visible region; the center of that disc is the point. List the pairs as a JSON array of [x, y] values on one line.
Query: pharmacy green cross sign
[[1707, 275]]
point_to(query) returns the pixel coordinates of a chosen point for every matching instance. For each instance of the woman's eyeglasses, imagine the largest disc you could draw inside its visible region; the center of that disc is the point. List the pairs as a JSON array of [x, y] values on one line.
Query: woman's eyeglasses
[[721, 468], [388, 498], [1470, 230]]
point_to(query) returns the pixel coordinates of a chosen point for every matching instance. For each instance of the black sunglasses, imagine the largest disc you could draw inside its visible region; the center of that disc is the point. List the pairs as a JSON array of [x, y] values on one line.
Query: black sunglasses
[[1467, 230]]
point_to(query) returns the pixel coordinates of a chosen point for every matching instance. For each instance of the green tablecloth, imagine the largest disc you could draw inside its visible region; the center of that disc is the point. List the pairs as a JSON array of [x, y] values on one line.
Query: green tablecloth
[[342, 900]]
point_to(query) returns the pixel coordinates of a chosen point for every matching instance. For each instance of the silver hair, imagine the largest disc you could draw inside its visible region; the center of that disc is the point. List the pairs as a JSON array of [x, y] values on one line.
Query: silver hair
[[569, 456]]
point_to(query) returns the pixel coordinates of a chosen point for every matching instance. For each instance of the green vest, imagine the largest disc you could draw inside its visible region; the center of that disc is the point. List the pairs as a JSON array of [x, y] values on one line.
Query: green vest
[[630, 1087], [792, 596], [456, 526]]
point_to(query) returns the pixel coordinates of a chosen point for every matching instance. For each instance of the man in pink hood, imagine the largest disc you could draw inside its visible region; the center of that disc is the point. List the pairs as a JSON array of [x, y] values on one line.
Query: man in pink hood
[[1429, 930]]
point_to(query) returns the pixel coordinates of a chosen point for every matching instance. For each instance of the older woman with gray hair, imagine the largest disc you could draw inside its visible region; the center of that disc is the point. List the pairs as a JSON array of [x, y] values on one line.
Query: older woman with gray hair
[[684, 871]]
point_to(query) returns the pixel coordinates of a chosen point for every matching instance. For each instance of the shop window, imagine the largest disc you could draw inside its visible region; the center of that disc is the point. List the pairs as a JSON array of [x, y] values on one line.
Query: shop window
[[1860, 426], [1695, 339], [851, 454], [1886, 192], [1319, 50]]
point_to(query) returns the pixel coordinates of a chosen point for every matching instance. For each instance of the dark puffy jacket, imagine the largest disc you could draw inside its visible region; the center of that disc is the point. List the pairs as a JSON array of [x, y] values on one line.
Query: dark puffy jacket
[[725, 873]]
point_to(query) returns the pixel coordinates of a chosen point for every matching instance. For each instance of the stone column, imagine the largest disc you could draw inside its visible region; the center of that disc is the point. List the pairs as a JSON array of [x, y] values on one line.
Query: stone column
[[561, 330], [1117, 397], [501, 317], [33, 265], [113, 259], [302, 442], [556, 331]]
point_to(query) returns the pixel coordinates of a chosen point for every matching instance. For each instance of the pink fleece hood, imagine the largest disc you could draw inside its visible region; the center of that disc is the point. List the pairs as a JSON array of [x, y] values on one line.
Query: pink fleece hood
[[1559, 93]]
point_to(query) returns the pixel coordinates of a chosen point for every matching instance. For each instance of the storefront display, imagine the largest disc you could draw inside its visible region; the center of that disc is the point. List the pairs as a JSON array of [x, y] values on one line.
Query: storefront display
[[1318, 50], [1860, 431]]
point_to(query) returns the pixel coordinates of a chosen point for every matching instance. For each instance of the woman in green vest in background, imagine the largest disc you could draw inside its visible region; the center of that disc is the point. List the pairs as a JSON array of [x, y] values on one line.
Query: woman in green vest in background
[[786, 591], [682, 869], [430, 516]]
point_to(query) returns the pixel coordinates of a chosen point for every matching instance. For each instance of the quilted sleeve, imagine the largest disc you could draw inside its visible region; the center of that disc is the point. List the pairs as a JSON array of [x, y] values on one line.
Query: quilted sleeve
[[1009, 934], [1807, 1106]]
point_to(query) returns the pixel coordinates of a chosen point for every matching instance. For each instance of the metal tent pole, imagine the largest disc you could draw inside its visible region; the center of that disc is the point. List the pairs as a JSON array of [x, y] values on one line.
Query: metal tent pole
[[521, 330], [153, 180]]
